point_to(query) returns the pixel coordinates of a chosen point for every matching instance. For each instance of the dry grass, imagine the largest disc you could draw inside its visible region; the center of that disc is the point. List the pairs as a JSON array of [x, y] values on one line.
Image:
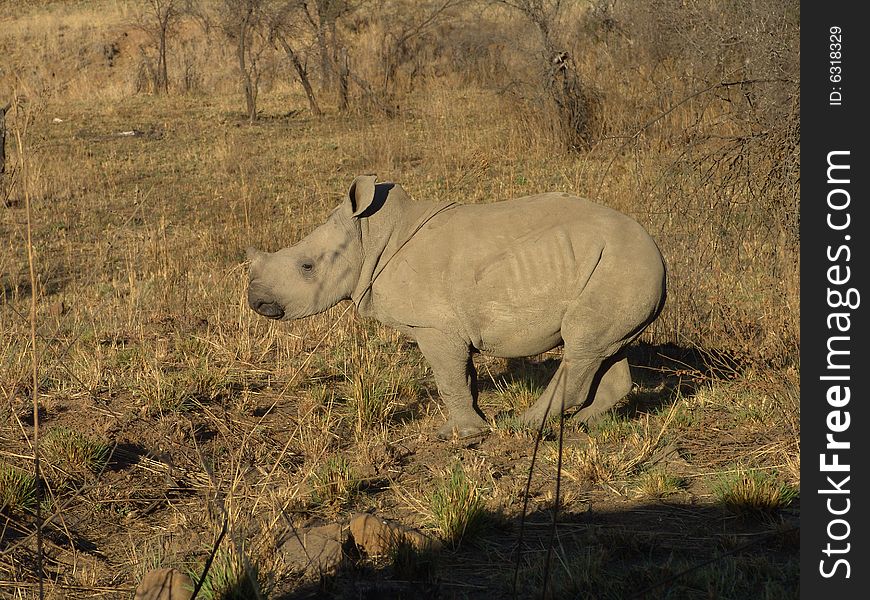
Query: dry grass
[[334, 482], [213, 414], [658, 483]]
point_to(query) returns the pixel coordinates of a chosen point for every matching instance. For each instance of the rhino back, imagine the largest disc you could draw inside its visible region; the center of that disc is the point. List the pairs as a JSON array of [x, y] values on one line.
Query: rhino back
[[484, 268]]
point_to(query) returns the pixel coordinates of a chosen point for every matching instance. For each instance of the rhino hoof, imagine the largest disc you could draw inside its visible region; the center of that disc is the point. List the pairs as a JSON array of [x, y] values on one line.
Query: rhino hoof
[[455, 431]]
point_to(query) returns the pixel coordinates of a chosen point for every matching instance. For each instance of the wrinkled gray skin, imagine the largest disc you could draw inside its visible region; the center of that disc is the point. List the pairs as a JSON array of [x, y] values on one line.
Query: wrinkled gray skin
[[509, 279]]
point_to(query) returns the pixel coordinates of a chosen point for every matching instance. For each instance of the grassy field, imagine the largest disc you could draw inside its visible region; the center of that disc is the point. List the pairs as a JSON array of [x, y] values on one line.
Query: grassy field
[[169, 412]]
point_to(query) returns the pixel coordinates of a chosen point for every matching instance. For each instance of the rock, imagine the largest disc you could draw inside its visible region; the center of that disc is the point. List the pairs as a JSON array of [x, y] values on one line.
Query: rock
[[165, 584], [319, 548], [377, 537]]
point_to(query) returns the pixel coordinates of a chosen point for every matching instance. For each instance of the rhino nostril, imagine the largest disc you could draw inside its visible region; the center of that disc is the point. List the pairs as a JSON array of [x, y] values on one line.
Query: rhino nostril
[[272, 310]]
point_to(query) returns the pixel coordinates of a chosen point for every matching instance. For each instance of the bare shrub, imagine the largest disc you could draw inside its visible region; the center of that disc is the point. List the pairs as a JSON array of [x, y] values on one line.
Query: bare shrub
[[575, 103], [158, 20], [284, 33], [245, 25], [324, 17], [570, 100], [717, 128], [370, 56]]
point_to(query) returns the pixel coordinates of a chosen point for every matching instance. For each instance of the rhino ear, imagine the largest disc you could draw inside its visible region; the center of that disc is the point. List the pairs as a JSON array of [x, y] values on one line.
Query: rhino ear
[[251, 253], [361, 194]]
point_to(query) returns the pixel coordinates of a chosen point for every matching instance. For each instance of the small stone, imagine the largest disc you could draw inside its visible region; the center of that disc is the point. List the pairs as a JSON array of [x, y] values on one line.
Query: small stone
[[319, 548], [165, 584], [377, 537]]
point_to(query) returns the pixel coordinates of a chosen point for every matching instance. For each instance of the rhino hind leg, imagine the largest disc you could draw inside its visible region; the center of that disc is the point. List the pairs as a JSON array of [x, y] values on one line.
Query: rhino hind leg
[[569, 386], [614, 385], [456, 378], [594, 373]]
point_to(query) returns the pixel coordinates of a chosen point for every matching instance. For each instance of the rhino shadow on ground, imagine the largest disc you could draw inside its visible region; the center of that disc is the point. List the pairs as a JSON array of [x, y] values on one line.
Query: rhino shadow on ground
[[650, 550], [663, 372], [660, 373], [685, 545]]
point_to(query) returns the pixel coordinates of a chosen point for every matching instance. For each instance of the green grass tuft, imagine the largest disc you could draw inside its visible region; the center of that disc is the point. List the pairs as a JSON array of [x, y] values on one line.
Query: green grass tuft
[[611, 427], [232, 576], [457, 507], [753, 491], [17, 490], [71, 456], [657, 483], [517, 394], [376, 384], [335, 483], [513, 424]]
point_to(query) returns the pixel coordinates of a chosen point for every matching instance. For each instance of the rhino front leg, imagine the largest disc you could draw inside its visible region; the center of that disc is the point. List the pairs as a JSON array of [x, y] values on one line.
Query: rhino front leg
[[451, 363]]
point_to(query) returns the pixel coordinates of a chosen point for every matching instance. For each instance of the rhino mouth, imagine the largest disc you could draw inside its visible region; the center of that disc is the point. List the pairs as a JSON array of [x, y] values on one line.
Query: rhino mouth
[[271, 310]]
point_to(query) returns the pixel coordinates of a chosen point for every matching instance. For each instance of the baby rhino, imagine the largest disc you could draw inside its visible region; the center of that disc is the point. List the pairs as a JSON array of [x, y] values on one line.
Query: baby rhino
[[510, 279]]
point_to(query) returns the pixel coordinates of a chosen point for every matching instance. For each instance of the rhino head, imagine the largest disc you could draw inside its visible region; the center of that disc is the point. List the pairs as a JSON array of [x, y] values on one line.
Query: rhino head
[[322, 269]]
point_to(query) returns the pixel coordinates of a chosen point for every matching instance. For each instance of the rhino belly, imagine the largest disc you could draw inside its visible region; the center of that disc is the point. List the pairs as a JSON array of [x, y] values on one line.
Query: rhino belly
[[510, 331], [518, 297]]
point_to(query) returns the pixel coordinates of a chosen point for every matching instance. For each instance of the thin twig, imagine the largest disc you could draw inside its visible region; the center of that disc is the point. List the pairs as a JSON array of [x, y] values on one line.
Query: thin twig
[[35, 366], [560, 374], [556, 499], [210, 559]]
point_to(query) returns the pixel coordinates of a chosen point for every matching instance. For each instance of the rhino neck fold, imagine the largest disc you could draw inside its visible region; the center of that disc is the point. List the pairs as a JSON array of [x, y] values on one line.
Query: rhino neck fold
[[383, 236]]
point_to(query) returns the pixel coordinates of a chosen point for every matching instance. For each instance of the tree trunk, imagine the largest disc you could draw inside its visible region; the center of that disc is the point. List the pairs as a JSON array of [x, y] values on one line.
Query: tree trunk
[[164, 12], [325, 62], [162, 71], [343, 75], [247, 83], [303, 76]]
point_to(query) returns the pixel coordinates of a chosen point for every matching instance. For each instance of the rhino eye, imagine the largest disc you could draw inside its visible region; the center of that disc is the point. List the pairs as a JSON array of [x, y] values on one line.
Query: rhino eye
[[307, 267]]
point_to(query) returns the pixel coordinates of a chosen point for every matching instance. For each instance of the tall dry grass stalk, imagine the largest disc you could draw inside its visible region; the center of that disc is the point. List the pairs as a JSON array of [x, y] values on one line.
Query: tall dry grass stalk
[[23, 163]]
